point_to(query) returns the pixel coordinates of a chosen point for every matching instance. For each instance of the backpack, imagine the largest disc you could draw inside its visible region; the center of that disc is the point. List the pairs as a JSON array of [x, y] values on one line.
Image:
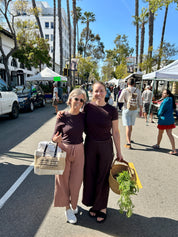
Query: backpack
[[132, 100]]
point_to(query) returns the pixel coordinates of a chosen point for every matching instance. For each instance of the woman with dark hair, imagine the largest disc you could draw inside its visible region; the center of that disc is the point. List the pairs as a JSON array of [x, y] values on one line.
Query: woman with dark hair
[[166, 120], [101, 128]]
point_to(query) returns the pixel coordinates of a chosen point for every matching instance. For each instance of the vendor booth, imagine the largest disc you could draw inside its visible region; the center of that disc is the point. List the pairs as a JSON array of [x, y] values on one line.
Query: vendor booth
[[167, 73], [47, 75]]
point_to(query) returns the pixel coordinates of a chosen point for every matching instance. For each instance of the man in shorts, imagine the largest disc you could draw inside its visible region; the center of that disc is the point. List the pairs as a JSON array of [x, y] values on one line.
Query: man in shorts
[[147, 97], [129, 116]]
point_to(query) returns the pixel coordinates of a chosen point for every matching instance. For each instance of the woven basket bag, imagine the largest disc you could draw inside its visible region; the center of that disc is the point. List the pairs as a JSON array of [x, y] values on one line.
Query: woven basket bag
[[118, 168]]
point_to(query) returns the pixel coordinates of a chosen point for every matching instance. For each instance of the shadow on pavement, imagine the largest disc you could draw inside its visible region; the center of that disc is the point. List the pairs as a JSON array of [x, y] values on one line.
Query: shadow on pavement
[[118, 224], [25, 211], [16, 130], [150, 148], [18, 156]]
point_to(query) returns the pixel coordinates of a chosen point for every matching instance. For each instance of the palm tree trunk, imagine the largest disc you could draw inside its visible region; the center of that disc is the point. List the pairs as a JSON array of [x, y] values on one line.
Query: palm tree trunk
[[150, 45], [69, 34], [142, 43], [60, 35], [162, 37], [137, 28], [54, 37], [74, 26], [86, 40], [37, 18]]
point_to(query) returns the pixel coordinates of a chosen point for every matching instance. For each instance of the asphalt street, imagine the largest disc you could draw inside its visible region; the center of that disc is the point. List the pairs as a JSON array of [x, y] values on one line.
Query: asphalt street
[[28, 210]]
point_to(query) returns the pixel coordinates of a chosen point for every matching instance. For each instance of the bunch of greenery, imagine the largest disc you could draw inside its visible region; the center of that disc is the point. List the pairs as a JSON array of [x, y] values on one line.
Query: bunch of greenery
[[127, 187]]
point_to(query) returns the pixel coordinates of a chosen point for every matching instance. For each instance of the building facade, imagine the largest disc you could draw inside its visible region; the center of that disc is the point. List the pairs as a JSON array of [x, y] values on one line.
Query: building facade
[[47, 23], [17, 70]]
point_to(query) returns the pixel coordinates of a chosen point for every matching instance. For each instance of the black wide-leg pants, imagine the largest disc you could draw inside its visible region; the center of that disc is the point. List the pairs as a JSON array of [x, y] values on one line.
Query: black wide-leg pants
[[98, 160]]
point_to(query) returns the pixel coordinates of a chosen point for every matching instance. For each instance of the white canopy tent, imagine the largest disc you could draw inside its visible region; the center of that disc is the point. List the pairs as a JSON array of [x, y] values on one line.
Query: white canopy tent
[[167, 73], [46, 75], [114, 81]]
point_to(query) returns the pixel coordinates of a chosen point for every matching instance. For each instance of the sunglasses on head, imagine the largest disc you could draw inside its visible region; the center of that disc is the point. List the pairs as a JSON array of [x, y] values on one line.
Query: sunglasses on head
[[77, 99]]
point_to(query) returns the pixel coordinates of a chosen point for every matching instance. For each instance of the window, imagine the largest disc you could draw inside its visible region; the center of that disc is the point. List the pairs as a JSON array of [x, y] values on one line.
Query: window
[[47, 37], [46, 24], [1, 60], [22, 65], [52, 25], [51, 37], [13, 63], [29, 67], [51, 49]]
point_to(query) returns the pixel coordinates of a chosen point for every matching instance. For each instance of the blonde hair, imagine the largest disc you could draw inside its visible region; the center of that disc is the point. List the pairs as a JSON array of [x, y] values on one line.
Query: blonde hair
[[76, 92]]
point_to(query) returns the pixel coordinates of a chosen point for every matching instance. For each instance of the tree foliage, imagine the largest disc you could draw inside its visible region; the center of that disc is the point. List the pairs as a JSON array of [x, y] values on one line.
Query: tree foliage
[[87, 68], [121, 51], [32, 51]]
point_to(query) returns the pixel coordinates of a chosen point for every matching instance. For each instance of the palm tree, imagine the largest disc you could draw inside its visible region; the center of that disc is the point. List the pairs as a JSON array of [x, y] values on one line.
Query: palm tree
[[78, 17], [86, 19], [54, 36], [162, 37], [37, 18], [151, 27], [137, 28], [60, 35], [143, 20], [69, 33], [74, 26]]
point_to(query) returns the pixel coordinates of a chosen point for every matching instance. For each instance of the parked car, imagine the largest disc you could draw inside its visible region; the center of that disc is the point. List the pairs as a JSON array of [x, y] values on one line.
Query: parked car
[[8, 101], [30, 96]]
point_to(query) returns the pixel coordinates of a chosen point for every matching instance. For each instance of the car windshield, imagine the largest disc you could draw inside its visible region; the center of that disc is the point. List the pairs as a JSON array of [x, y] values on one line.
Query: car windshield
[[3, 86], [22, 90]]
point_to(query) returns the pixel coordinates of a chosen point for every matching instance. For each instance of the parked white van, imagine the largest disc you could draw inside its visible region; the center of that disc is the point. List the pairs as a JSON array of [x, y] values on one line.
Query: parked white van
[[8, 101]]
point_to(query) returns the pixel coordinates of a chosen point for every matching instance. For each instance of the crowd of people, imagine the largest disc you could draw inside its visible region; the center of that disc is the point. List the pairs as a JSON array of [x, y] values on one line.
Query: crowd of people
[[89, 161]]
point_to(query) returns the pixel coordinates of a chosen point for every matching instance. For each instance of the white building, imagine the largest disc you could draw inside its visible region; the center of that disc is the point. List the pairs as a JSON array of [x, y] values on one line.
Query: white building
[[17, 70], [47, 24]]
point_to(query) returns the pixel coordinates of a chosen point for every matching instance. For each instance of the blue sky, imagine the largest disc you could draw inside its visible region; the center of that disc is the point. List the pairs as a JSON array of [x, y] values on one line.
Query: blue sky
[[115, 17]]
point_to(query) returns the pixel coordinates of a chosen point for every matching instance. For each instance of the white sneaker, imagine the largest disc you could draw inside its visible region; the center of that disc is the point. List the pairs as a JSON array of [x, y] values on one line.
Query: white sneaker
[[71, 218], [75, 211]]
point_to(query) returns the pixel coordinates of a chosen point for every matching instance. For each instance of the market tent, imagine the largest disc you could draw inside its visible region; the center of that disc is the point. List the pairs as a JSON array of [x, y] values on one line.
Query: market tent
[[167, 73], [114, 81], [136, 75], [46, 75]]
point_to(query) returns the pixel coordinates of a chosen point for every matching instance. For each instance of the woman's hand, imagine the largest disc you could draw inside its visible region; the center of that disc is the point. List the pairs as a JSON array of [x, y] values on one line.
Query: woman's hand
[[119, 157], [57, 138], [60, 114]]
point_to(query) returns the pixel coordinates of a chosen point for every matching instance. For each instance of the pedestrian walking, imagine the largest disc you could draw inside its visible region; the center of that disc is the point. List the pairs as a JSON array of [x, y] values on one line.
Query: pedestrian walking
[[131, 96], [108, 93], [166, 120], [68, 134], [119, 104], [55, 99], [116, 90], [101, 121], [147, 100]]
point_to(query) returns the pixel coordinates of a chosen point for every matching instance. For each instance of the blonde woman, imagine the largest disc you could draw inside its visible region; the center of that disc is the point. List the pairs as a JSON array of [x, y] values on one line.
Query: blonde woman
[[68, 134]]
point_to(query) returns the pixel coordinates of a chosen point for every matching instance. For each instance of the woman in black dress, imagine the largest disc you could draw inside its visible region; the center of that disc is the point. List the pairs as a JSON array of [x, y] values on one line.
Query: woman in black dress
[[101, 123]]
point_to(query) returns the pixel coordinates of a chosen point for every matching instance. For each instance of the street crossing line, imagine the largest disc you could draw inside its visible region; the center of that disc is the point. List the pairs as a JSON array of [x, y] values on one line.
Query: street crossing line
[[13, 188], [175, 135]]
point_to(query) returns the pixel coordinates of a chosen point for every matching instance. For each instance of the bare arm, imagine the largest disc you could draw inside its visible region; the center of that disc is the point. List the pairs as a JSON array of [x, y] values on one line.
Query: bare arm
[[116, 138]]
